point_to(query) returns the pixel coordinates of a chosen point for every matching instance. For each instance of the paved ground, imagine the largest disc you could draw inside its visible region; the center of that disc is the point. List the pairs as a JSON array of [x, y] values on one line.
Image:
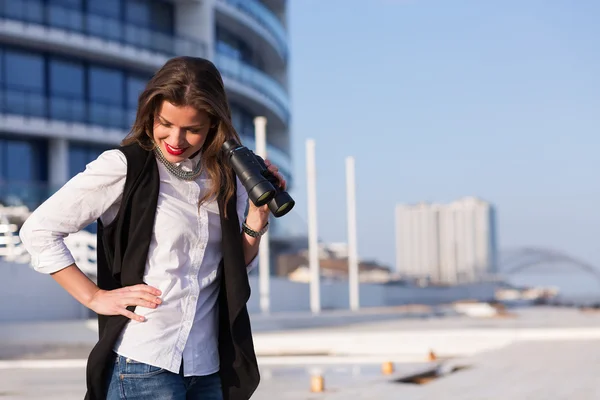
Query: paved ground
[[545, 369], [49, 340], [526, 371], [523, 371]]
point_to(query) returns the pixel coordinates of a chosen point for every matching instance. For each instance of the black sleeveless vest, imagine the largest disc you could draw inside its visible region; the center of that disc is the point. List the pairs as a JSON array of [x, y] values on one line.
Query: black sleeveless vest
[[121, 261]]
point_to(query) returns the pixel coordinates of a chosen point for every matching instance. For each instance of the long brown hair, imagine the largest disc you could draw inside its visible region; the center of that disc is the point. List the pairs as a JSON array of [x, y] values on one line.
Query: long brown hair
[[194, 82]]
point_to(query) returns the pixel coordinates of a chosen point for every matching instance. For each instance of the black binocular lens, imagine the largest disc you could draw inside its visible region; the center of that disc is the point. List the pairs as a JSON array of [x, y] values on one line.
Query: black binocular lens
[[282, 204], [261, 193], [262, 186]]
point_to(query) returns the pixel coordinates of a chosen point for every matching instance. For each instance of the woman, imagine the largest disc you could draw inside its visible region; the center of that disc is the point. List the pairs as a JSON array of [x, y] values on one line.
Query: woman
[[173, 252]]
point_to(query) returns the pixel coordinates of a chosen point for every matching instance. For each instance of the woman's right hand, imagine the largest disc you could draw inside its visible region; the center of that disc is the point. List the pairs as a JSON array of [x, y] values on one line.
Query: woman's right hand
[[115, 302]]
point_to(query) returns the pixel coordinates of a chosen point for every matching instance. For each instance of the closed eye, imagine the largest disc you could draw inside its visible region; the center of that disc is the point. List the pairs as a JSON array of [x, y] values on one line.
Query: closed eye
[[167, 124]]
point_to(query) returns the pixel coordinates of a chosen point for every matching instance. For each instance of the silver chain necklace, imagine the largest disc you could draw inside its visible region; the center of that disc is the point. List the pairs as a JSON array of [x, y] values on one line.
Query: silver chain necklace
[[177, 171]]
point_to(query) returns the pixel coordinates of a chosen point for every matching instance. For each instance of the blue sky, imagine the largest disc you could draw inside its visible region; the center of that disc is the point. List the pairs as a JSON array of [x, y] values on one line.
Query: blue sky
[[443, 99]]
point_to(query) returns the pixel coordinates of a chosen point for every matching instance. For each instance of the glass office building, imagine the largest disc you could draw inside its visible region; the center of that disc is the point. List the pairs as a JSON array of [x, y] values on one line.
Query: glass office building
[[71, 72]]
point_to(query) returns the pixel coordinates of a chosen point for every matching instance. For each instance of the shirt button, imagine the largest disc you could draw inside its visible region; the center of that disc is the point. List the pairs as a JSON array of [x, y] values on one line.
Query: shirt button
[[194, 298]]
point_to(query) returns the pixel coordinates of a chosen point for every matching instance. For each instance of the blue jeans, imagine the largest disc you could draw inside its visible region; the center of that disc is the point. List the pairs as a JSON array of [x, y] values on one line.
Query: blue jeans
[[135, 380]]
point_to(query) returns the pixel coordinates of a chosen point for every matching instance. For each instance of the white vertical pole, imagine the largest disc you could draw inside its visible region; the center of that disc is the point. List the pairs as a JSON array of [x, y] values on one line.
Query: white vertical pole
[[352, 245], [264, 268], [58, 154], [313, 249]]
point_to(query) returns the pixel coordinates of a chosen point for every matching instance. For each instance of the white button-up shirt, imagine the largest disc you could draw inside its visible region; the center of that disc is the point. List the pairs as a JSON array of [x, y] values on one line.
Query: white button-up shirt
[[184, 267]]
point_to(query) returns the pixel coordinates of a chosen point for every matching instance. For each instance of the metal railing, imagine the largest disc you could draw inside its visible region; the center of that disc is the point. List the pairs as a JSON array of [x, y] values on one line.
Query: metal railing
[[32, 103], [264, 17], [56, 16], [251, 76], [11, 248], [82, 246]]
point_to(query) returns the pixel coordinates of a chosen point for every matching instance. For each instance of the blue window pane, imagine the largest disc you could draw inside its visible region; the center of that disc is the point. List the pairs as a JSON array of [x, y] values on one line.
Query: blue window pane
[[24, 161], [109, 8], [67, 78], [166, 44], [106, 85], [106, 27], [138, 12], [106, 115], [25, 103], [233, 46], [29, 11], [64, 16], [131, 113], [162, 17], [74, 4], [77, 160], [67, 109], [2, 161], [243, 120], [81, 155], [135, 86], [24, 70], [138, 36], [20, 159]]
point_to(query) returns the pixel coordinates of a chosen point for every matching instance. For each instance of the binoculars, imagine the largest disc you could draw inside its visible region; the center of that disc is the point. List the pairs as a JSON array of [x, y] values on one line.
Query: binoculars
[[262, 186]]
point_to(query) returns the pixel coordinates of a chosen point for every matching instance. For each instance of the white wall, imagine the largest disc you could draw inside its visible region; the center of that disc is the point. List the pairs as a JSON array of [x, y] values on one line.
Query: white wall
[[27, 295], [196, 20]]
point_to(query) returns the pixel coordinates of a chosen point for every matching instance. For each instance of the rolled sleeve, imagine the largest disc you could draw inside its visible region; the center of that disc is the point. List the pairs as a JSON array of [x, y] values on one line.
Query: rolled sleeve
[[48, 252], [81, 201]]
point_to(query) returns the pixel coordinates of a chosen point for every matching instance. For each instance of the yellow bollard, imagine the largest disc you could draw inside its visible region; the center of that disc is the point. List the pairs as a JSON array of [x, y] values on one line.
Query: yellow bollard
[[432, 356], [387, 368], [317, 383]]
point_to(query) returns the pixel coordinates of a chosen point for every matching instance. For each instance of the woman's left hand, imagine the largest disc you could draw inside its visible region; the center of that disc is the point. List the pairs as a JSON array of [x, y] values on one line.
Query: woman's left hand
[[259, 216]]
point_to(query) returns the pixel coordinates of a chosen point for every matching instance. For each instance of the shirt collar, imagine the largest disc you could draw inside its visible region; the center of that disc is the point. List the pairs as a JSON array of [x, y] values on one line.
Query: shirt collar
[[189, 163]]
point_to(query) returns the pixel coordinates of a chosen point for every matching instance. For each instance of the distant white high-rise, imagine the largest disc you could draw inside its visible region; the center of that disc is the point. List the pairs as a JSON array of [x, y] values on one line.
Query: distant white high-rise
[[450, 243]]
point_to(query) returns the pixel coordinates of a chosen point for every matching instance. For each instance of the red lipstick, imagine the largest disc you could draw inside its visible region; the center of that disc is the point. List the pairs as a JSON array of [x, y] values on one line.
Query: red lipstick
[[176, 151]]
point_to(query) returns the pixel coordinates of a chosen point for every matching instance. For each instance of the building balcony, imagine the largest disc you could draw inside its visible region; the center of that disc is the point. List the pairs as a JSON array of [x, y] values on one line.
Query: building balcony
[[18, 101], [53, 27], [30, 113], [34, 114], [259, 86], [36, 24], [260, 20]]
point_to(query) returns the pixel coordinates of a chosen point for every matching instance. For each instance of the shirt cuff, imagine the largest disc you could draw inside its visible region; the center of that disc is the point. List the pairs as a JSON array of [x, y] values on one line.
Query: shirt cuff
[[52, 260]]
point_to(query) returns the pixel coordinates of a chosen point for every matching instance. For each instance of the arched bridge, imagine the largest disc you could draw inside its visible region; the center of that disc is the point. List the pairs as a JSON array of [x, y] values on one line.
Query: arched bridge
[[516, 260]]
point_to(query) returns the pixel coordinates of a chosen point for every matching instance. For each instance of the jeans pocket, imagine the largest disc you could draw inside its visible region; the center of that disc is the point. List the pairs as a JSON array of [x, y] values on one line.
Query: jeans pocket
[[130, 368]]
